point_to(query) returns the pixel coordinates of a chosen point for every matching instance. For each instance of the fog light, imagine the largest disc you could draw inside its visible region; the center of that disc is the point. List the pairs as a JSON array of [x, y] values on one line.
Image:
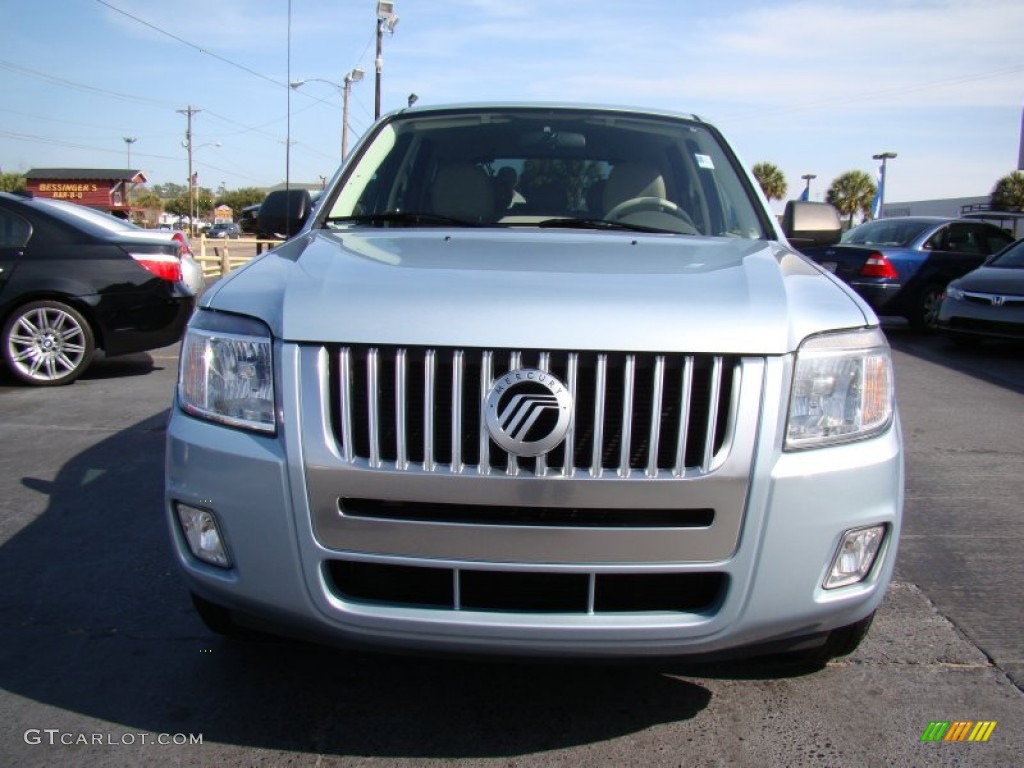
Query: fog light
[[202, 535], [855, 556]]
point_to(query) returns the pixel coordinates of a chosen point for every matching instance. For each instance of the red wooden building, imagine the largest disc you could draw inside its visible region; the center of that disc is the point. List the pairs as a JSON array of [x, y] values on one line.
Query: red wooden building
[[107, 189]]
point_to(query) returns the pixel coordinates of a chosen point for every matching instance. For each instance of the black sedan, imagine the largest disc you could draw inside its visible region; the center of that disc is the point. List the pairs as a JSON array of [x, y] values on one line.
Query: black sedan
[[988, 302], [902, 265], [73, 280]]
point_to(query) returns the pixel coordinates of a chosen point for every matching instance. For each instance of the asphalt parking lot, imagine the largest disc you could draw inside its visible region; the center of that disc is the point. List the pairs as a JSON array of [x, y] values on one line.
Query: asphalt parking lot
[[101, 643]]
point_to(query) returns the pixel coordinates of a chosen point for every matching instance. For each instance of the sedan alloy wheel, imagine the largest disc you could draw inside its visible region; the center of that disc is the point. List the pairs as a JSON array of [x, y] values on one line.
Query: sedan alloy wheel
[[47, 343]]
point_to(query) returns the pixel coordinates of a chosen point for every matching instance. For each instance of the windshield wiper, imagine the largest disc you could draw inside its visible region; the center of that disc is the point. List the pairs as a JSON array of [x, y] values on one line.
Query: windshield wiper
[[585, 223], [402, 217]]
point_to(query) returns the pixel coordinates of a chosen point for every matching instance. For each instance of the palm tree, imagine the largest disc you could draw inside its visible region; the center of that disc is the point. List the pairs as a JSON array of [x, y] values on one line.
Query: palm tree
[[772, 181], [1008, 193], [852, 192]]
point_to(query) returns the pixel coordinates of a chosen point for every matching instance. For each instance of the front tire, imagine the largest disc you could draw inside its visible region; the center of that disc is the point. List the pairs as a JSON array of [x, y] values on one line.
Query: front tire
[[47, 343], [925, 315]]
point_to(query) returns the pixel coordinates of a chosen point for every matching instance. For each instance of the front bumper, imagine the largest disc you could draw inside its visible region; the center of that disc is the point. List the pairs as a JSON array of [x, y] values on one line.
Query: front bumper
[[791, 517]]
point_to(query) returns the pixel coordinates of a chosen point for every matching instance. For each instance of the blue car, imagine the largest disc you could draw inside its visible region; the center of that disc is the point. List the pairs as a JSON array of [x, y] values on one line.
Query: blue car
[[901, 266]]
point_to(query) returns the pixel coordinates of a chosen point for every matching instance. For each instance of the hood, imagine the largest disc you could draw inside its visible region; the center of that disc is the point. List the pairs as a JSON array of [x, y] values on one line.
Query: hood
[[998, 280], [534, 289]]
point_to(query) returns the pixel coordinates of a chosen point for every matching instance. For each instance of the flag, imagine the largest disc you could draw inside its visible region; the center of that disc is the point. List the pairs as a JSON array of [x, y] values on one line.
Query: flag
[[806, 194], [876, 205]]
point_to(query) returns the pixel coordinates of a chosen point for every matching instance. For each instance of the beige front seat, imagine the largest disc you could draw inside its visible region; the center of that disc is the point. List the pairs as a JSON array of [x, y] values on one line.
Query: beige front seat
[[463, 191], [629, 180]]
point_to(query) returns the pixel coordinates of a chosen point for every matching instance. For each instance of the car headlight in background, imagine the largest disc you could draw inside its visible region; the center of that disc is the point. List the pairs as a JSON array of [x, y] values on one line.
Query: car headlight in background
[[226, 372], [842, 389], [954, 293]]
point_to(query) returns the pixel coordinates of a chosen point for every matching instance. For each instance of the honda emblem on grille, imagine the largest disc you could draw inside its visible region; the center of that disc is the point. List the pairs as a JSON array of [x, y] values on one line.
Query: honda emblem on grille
[[997, 301], [528, 412]]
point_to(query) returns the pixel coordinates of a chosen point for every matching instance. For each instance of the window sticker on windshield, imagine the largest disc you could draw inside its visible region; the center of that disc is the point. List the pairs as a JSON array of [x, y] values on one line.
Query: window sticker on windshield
[[704, 161]]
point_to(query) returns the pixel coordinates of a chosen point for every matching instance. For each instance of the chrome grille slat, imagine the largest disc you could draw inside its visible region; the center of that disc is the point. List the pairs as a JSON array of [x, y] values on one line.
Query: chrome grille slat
[[373, 407], [684, 416], [572, 374], [544, 364], [429, 362], [596, 462], [654, 436], [636, 415], [401, 399], [515, 360], [709, 439], [457, 372], [486, 380], [626, 431], [345, 400]]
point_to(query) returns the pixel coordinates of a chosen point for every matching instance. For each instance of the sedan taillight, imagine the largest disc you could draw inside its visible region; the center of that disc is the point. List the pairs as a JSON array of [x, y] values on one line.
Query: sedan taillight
[[163, 265], [878, 266], [184, 249]]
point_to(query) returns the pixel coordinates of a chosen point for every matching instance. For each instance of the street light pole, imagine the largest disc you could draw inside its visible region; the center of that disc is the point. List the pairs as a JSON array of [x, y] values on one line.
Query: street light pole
[[807, 189], [352, 77], [345, 89], [386, 17], [128, 141], [883, 156]]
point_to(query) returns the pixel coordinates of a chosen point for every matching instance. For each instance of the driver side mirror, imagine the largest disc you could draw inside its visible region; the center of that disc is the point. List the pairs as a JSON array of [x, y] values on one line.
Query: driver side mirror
[[283, 212], [806, 223]]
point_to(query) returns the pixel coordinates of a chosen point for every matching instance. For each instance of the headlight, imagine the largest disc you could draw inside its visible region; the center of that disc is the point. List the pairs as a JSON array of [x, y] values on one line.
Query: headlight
[[226, 372], [842, 389], [955, 293]]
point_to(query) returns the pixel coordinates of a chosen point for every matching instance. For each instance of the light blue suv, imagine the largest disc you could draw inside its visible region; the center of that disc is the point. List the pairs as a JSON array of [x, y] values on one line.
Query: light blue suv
[[538, 380]]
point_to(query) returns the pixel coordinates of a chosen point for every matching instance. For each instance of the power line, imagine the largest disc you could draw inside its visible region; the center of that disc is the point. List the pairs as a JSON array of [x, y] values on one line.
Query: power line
[[199, 49], [17, 68]]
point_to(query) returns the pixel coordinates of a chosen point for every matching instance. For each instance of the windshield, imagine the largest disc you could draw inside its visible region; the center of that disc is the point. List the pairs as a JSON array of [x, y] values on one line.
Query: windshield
[[886, 232], [546, 167], [1013, 256]]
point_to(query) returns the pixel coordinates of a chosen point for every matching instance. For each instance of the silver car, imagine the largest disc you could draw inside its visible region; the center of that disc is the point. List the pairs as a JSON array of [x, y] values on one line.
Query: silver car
[[538, 380]]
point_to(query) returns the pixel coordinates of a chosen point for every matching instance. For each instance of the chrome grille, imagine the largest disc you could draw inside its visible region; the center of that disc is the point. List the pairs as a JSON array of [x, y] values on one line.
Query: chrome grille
[[636, 415]]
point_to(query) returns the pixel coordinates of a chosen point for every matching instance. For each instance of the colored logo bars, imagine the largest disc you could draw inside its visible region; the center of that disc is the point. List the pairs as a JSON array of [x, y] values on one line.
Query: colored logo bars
[[958, 730]]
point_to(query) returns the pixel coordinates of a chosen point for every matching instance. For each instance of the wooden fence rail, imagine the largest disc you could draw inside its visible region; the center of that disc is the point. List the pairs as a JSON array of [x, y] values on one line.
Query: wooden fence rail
[[219, 256]]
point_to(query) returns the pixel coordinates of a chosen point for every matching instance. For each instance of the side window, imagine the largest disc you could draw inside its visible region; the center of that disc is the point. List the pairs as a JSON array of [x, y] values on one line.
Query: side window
[[14, 230], [963, 238], [993, 239], [939, 241]]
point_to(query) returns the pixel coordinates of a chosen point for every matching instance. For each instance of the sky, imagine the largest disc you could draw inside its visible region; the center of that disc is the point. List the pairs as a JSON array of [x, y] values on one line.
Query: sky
[[813, 87]]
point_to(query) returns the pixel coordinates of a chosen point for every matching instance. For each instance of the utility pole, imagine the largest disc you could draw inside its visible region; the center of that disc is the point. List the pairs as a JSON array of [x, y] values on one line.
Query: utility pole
[[187, 144]]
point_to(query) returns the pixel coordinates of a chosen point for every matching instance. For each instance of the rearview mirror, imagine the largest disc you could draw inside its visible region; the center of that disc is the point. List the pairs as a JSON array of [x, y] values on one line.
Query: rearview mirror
[[807, 223]]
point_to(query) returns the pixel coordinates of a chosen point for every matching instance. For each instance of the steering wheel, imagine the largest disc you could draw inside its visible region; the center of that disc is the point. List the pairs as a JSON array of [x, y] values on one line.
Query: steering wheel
[[654, 204]]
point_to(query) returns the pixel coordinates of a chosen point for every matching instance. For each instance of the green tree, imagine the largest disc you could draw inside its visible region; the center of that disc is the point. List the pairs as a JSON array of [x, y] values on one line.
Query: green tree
[[852, 192], [169, 190], [1008, 193], [772, 180], [152, 204], [177, 205], [12, 182], [238, 199]]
